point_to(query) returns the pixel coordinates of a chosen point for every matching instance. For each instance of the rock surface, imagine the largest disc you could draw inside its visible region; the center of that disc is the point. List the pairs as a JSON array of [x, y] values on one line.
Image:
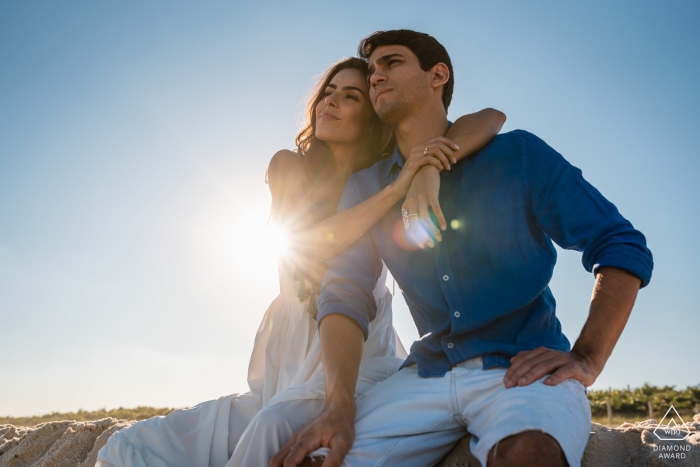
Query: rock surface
[[56, 444], [75, 444]]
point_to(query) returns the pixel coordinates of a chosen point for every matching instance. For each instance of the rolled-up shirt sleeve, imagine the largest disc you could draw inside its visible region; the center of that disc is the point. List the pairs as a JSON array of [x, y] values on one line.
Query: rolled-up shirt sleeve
[[348, 285], [577, 216]]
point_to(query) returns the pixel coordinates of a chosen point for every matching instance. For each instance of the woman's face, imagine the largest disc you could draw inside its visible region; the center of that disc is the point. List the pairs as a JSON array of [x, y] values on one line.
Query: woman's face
[[343, 115]]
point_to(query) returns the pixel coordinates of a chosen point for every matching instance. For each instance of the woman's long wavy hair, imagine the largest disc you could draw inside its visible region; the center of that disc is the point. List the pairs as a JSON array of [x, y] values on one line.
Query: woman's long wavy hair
[[316, 156]]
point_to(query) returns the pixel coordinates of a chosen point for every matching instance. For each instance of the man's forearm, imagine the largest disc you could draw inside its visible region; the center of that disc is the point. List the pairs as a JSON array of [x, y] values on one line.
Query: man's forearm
[[341, 350], [612, 300]]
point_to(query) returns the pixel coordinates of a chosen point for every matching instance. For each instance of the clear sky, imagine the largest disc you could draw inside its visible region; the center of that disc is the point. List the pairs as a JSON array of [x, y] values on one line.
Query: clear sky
[[134, 138]]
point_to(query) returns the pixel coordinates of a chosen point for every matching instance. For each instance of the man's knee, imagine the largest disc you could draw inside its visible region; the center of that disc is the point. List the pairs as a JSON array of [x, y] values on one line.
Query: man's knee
[[527, 448]]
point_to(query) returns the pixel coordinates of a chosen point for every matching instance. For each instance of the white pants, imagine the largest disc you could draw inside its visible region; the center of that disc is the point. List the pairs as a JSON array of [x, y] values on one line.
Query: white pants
[[412, 421]]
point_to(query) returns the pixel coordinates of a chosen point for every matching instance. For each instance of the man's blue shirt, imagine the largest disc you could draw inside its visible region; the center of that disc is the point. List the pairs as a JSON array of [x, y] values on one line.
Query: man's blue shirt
[[483, 291]]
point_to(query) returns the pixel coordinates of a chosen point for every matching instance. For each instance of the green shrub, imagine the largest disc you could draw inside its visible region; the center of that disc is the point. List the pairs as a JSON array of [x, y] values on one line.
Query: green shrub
[[634, 401]]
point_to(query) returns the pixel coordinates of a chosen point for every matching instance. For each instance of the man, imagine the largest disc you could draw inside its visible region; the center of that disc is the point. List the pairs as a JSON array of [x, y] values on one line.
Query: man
[[491, 358]]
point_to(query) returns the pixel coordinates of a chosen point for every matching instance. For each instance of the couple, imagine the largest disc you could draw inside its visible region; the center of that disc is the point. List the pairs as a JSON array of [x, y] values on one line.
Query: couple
[[491, 358]]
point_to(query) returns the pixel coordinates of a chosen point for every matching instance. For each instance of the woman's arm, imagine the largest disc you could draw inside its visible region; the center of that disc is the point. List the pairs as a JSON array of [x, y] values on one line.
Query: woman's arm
[[470, 133], [331, 236], [327, 238]]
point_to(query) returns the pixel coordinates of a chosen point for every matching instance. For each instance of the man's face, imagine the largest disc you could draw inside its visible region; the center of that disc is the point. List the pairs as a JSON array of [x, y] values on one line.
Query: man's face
[[397, 84]]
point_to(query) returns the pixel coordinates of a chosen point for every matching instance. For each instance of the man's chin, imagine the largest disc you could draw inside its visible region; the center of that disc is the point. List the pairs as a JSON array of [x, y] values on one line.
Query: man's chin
[[389, 112]]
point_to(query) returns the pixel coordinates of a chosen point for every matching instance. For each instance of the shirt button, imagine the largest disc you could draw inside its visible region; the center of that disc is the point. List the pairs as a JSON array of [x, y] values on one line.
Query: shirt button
[[446, 278], [450, 345], [457, 314]]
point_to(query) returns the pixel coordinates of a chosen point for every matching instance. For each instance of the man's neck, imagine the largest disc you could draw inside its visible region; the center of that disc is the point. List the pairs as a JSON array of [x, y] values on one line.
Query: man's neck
[[420, 128]]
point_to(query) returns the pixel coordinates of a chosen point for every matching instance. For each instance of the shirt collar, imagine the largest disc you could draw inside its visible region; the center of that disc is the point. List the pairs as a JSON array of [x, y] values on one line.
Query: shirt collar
[[396, 161]]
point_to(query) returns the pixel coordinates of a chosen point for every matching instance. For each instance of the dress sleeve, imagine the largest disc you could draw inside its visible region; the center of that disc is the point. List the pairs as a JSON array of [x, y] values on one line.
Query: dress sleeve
[[578, 217], [352, 275]]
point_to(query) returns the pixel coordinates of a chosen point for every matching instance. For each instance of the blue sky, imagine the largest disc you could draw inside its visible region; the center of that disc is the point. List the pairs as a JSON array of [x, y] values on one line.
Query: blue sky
[[134, 138]]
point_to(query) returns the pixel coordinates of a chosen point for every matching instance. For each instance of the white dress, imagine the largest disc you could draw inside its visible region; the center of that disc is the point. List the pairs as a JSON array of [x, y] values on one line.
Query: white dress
[[285, 364]]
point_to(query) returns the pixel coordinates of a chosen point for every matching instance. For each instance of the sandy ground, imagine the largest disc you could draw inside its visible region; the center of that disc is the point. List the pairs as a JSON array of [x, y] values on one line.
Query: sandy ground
[[71, 444]]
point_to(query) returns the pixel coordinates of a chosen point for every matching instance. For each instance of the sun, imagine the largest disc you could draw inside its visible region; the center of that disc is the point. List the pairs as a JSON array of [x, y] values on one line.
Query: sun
[[276, 238]]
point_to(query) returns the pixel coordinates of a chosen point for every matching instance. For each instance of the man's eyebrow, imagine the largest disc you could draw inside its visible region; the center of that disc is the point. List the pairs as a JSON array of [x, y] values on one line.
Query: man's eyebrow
[[382, 60]]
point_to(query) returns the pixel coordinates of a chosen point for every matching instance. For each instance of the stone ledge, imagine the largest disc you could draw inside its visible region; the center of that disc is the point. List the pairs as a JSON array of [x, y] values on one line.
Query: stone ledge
[[71, 444]]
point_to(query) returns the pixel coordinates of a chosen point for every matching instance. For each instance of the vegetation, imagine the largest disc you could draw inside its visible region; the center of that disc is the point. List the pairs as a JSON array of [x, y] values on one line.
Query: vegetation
[[139, 413], [632, 404], [628, 405]]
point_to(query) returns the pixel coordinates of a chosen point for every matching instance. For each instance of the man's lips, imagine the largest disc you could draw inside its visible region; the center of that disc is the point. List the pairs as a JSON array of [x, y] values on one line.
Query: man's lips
[[379, 93]]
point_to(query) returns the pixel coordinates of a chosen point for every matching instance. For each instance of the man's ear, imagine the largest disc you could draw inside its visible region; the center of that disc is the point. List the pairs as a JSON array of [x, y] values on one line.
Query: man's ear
[[441, 74]]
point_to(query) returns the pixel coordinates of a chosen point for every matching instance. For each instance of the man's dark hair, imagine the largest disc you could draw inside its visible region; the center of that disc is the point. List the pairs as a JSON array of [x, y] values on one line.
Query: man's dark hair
[[428, 50]]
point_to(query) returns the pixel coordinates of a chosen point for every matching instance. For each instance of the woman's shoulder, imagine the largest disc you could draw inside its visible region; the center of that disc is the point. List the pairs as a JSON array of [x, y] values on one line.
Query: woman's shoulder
[[285, 167], [285, 160]]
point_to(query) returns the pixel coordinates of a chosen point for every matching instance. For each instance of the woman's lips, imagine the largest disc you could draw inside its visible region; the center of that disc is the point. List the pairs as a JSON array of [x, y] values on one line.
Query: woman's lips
[[327, 117]]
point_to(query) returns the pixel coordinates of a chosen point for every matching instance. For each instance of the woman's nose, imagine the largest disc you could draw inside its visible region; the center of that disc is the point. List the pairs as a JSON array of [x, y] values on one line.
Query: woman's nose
[[330, 101]]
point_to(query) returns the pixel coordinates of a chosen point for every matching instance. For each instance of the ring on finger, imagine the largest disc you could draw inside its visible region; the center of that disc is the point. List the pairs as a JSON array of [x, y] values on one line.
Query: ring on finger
[[406, 218], [425, 151], [406, 221]]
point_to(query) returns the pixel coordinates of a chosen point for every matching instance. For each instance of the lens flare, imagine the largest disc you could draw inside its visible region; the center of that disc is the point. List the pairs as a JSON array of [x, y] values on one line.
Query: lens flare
[[277, 238]]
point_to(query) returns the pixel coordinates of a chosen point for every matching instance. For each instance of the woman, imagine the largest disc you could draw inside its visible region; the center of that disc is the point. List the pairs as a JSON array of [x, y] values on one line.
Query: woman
[[343, 135]]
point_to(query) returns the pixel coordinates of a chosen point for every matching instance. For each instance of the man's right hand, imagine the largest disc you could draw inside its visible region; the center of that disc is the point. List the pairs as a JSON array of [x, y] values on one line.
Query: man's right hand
[[334, 428]]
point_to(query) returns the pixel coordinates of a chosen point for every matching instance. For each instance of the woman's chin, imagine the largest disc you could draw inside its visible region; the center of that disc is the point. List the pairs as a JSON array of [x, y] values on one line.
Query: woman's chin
[[329, 137], [337, 137]]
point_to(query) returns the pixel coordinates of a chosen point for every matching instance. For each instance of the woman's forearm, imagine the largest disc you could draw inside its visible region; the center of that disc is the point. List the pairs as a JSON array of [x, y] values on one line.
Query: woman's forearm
[[331, 236], [474, 131]]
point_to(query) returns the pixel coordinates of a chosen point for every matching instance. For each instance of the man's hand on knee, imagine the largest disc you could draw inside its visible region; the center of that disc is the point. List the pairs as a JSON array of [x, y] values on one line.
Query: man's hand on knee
[[334, 429], [530, 365]]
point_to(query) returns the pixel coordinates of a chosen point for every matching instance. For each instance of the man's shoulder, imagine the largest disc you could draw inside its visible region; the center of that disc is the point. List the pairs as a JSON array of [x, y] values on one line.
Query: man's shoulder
[[522, 145], [515, 139]]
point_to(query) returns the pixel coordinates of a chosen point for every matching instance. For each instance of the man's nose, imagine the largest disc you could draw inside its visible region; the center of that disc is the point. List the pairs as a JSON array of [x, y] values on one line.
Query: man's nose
[[376, 78]]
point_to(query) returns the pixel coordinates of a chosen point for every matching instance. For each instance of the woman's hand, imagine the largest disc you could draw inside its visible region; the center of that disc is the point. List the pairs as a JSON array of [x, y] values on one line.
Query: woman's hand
[[424, 189], [438, 152], [422, 195], [439, 147]]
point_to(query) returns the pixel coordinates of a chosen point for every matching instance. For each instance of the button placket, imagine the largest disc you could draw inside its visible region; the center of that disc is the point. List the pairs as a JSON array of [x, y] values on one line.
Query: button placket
[[451, 295]]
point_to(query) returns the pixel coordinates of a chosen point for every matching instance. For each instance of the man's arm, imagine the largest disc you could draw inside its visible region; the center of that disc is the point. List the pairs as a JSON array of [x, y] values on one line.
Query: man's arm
[[345, 308], [341, 349], [613, 297], [577, 217]]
